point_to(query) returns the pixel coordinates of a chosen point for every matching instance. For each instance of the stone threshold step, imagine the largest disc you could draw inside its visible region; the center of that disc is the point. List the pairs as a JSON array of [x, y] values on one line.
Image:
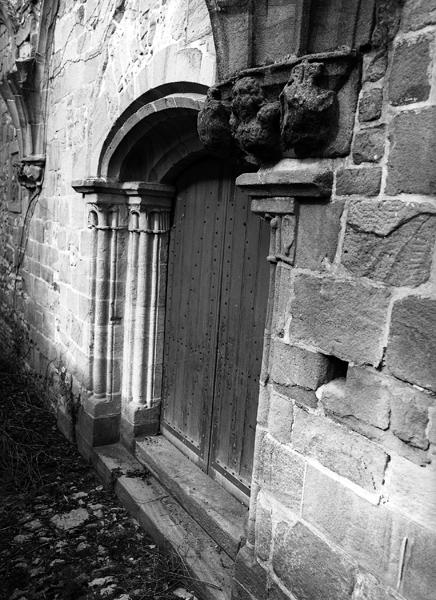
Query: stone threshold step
[[165, 521], [219, 513]]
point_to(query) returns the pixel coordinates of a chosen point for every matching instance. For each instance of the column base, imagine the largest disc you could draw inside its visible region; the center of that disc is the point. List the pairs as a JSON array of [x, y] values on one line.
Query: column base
[[96, 431], [139, 420]]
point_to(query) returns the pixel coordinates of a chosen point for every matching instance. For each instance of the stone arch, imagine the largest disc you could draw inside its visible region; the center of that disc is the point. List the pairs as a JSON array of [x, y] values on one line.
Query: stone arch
[[162, 129]]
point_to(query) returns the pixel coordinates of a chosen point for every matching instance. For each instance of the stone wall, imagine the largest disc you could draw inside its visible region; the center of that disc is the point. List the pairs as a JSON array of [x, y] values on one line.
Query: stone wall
[[346, 479], [105, 55], [343, 492]]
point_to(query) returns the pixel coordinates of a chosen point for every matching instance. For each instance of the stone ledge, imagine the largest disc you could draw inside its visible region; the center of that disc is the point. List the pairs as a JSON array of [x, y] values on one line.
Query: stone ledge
[[215, 509], [165, 520], [307, 182]]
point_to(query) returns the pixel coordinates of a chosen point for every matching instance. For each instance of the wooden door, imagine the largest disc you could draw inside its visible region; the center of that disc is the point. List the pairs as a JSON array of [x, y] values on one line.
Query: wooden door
[[216, 308]]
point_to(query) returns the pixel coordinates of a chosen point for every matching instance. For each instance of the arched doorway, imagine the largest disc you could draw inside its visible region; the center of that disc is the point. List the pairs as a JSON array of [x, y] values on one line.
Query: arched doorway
[[216, 306], [195, 294]]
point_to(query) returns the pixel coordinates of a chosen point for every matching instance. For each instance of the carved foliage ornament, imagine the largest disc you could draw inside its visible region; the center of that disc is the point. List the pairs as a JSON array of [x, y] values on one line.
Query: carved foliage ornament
[[302, 119]]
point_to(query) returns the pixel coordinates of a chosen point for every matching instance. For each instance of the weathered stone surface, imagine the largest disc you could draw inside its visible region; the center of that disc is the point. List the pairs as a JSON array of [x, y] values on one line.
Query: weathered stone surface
[[365, 181], [370, 105], [298, 554], [412, 156], [409, 80], [275, 593], [411, 346], [369, 588], [318, 232], [412, 489], [419, 577], [390, 241], [417, 14], [282, 472], [365, 531], [377, 66], [343, 451], [364, 395], [409, 414], [263, 531], [296, 366], [341, 317], [280, 417], [249, 573], [369, 145]]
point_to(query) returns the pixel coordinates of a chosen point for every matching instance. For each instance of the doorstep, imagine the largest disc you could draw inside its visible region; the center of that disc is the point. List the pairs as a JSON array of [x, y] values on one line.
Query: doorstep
[[219, 513], [166, 521]]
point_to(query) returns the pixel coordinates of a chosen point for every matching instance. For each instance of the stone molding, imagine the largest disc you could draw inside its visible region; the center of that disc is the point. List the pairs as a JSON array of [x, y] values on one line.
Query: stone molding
[[130, 224], [301, 107]]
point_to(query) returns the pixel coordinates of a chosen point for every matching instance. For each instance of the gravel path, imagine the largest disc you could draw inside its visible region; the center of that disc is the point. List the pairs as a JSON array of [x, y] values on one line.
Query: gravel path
[[62, 535]]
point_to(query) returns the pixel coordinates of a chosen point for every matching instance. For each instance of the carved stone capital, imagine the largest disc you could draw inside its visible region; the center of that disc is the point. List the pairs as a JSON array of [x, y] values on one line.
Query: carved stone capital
[[303, 107]]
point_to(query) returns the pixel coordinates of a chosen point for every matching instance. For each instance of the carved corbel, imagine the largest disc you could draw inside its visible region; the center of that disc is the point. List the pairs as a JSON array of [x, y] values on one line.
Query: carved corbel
[[307, 114], [302, 107], [30, 172]]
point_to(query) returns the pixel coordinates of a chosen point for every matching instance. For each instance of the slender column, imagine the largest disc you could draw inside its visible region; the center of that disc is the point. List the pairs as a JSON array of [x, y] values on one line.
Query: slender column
[[143, 349]]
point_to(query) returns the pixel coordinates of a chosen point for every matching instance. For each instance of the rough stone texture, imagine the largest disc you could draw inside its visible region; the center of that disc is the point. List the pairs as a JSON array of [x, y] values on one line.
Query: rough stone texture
[[263, 530], [280, 418], [298, 554], [295, 366], [363, 181], [390, 241], [342, 318], [365, 531], [281, 472], [369, 145], [409, 80], [412, 490], [376, 67], [412, 155], [418, 13], [343, 451], [249, 573], [369, 588], [370, 105], [412, 345], [419, 578], [318, 232], [364, 395], [409, 414]]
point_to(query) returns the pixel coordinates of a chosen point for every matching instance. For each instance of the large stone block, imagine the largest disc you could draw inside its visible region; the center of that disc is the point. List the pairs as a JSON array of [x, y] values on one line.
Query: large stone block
[[280, 417], [341, 317], [263, 530], [343, 451], [369, 145], [295, 366], [364, 180], [412, 489], [419, 577], [370, 105], [281, 472], [364, 395], [411, 346], [308, 566], [409, 80], [365, 531], [417, 14], [409, 414], [412, 156], [318, 232], [390, 241]]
